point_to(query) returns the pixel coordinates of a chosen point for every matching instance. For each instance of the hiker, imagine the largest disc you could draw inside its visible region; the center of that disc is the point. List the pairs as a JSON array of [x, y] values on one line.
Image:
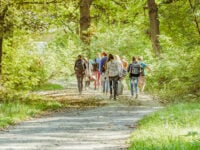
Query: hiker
[[88, 73], [124, 63], [124, 73], [113, 72], [98, 61], [142, 80], [96, 73], [104, 77], [120, 84], [80, 68], [134, 72]]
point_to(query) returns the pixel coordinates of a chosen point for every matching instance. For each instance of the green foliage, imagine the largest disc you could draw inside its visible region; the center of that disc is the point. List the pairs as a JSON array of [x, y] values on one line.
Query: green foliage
[[119, 27], [15, 106], [22, 65], [171, 128], [176, 74], [48, 86], [177, 22], [61, 54], [121, 40]]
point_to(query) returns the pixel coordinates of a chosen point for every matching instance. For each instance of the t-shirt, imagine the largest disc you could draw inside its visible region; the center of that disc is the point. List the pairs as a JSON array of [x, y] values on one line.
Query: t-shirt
[[143, 66], [103, 61], [113, 68]]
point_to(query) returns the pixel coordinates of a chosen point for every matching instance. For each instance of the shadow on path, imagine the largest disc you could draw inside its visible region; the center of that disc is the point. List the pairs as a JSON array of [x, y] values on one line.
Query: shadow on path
[[103, 128]]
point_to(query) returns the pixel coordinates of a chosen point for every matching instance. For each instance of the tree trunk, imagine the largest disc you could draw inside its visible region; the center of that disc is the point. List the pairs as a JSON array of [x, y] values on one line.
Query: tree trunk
[[2, 17], [154, 26], [1, 51], [1, 40], [195, 18], [85, 20], [85, 24]]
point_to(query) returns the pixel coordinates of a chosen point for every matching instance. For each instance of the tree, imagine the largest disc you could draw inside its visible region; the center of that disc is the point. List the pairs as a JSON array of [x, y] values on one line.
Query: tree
[[85, 20], [85, 23], [2, 17], [154, 26]]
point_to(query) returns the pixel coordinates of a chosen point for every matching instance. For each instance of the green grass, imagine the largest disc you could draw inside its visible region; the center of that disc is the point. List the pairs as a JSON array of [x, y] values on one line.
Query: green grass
[[48, 86], [176, 127], [18, 109]]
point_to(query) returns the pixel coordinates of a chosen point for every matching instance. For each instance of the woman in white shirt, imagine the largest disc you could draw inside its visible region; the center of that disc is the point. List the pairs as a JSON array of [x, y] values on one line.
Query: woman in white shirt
[[113, 72]]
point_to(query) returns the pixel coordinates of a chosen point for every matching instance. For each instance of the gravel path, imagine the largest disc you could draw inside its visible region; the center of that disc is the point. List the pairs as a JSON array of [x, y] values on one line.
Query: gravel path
[[103, 128]]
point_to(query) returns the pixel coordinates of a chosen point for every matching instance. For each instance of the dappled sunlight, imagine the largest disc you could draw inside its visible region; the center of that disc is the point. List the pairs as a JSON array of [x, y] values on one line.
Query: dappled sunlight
[[103, 127]]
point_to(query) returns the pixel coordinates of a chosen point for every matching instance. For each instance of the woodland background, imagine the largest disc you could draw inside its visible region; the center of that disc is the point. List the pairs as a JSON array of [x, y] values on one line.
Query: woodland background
[[40, 40]]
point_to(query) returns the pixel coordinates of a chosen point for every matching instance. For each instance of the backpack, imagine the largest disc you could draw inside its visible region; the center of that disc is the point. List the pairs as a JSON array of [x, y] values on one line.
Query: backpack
[[80, 66], [104, 66], [135, 68]]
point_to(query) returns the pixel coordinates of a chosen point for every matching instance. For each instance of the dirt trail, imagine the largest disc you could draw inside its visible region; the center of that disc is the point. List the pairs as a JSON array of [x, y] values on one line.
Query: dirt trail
[[103, 128]]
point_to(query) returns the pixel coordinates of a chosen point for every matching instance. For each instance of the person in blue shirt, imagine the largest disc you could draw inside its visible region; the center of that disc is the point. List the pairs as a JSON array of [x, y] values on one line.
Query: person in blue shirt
[[98, 61], [103, 62], [134, 69], [96, 72], [104, 77]]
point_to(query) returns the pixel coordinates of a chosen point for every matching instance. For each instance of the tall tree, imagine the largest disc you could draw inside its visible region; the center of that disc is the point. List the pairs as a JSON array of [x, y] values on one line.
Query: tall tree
[[85, 20], [154, 26], [2, 21]]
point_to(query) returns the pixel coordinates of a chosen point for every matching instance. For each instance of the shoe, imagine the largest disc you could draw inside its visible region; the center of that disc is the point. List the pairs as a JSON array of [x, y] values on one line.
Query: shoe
[[110, 97], [115, 98], [136, 96]]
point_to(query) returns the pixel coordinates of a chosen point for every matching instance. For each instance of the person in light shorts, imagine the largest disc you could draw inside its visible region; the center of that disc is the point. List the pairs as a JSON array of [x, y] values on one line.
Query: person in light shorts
[[142, 79]]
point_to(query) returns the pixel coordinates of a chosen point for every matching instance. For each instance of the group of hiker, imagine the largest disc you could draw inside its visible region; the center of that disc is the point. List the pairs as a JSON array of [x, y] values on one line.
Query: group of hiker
[[108, 72]]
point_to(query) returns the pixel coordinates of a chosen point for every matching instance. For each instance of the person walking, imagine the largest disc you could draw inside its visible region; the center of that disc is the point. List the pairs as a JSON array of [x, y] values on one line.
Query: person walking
[[104, 77], [79, 68], [124, 63], [134, 72], [120, 84], [142, 79], [96, 72], [113, 71], [124, 73]]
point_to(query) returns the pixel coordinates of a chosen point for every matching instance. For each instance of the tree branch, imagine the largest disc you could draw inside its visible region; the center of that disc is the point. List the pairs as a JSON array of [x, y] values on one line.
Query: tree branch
[[195, 18], [119, 4], [168, 2], [39, 2], [2, 15]]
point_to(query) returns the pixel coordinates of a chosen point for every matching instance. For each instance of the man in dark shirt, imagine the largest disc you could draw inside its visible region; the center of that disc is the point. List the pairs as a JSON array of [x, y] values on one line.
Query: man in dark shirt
[[80, 68], [134, 70]]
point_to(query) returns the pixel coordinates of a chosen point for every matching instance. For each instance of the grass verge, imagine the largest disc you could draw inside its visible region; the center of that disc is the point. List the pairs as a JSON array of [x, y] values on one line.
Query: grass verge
[[16, 107], [175, 127], [48, 86]]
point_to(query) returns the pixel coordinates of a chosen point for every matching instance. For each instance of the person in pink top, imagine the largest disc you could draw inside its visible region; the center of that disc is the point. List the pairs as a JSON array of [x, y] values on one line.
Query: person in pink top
[[97, 74]]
